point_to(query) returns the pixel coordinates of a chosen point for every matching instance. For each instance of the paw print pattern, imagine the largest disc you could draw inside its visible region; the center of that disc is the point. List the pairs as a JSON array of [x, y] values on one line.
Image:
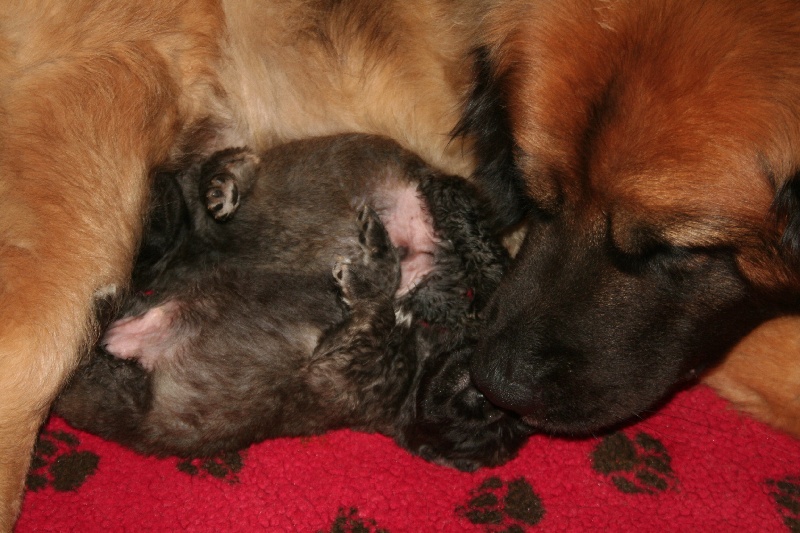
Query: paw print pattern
[[222, 466], [503, 507], [634, 466], [786, 494], [59, 463], [348, 521]]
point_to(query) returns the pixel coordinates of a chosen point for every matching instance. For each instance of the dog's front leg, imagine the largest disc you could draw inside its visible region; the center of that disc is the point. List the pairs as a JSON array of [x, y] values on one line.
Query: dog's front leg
[[78, 138]]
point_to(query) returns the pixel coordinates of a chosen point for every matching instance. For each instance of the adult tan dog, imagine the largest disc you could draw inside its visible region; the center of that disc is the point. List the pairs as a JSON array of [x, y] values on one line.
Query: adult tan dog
[[95, 95], [658, 143]]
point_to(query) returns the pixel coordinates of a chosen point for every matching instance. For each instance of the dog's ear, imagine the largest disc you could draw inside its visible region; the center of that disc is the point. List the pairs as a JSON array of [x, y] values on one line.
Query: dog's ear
[[786, 207], [486, 119]]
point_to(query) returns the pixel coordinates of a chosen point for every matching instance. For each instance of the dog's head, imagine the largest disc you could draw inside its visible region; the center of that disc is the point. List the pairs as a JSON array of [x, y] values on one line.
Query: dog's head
[[654, 149], [452, 423]]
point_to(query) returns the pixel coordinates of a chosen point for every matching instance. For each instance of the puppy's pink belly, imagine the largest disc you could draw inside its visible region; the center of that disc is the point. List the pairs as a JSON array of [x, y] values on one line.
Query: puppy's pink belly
[[410, 229], [412, 270], [146, 338]]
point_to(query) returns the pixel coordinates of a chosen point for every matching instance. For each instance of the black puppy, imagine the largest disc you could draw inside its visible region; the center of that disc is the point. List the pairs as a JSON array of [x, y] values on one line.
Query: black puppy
[[327, 283]]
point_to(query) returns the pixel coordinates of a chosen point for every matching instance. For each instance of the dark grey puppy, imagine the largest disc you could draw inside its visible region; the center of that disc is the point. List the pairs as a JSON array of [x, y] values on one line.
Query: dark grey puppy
[[327, 283]]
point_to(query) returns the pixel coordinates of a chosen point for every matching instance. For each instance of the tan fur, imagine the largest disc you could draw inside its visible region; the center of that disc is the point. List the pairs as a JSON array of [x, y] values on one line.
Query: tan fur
[[404, 76], [762, 374], [80, 133], [683, 151], [94, 95]]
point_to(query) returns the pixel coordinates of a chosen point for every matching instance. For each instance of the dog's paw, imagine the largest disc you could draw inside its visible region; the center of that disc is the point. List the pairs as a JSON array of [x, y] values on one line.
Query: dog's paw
[[374, 268], [361, 281], [222, 197], [372, 236], [225, 178]]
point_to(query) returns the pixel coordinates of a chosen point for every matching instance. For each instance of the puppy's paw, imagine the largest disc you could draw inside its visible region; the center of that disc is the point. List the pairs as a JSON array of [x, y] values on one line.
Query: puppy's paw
[[222, 197], [225, 178], [373, 270], [362, 281], [372, 236]]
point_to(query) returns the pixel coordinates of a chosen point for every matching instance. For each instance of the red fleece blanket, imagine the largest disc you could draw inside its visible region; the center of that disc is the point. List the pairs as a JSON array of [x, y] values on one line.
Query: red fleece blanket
[[694, 466]]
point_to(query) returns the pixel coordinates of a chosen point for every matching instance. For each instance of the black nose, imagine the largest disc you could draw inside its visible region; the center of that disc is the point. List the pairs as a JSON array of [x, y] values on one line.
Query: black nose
[[507, 382]]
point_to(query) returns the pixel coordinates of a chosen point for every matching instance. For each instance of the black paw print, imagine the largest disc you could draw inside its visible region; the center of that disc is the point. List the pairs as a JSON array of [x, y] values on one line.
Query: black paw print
[[786, 494], [223, 466], [348, 521], [503, 507], [59, 463], [634, 466]]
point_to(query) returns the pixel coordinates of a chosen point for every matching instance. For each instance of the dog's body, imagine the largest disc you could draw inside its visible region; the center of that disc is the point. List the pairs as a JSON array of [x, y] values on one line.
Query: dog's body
[[651, 113], [235, 331]]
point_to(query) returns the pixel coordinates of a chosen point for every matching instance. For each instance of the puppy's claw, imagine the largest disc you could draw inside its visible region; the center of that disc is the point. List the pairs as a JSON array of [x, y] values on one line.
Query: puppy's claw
[[222, 197]]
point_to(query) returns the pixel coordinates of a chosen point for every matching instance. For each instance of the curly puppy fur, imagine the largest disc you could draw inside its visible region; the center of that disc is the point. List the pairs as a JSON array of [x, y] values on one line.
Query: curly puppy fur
[[237, 333]]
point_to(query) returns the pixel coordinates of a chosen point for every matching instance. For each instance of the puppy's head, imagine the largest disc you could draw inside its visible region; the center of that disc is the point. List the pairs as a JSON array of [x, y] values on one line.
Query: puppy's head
[[654, 149], [453, 424]]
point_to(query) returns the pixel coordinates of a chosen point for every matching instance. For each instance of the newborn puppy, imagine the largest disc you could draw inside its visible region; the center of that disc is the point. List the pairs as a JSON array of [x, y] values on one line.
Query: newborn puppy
[[327, 283]]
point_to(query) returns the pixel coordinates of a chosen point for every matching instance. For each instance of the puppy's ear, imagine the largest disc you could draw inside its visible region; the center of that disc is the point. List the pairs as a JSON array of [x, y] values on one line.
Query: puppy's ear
[[786, 206], [486, 119]]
